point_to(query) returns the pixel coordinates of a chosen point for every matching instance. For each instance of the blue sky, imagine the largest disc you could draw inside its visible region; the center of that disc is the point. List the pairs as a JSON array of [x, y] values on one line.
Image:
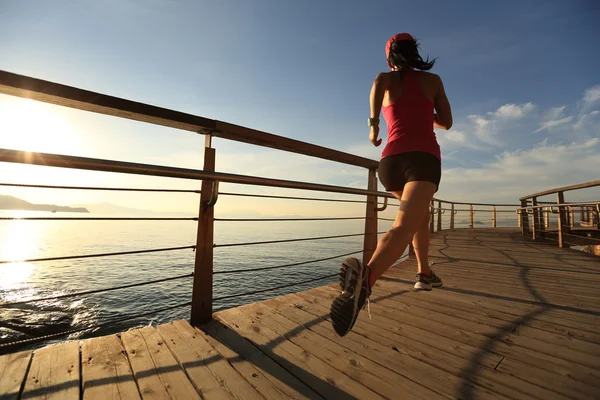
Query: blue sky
[[521, 77]]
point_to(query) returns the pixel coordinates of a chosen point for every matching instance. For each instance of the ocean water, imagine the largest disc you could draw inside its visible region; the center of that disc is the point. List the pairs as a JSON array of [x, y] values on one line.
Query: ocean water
[[27, 239]]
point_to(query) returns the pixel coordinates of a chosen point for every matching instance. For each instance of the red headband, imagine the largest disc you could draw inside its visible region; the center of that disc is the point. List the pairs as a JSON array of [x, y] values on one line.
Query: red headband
[[400, 36]]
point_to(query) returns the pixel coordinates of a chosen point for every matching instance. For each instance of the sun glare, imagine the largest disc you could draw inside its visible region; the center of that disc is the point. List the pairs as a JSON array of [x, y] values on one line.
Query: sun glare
[[33, 126], [18, 244]]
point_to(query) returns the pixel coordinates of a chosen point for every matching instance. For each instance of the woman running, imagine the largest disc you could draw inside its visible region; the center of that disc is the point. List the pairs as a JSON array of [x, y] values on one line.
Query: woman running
[[410, 168]]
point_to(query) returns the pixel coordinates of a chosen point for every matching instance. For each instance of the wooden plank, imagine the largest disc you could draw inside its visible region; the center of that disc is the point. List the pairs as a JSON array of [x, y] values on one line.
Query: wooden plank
[[427, 342], [106, 373], [68, 96], [510, 326], [208, 370], [502, 347], [503, 313], [13, 368], [275, 373], [320, 376], [382, 379], [54, 373], [485, 383], [562, 385], [156, 371], [256, 378]]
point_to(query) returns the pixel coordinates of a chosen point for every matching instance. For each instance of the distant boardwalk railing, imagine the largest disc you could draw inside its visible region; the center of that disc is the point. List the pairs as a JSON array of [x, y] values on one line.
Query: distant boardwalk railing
[[566, 231], [202, 298]]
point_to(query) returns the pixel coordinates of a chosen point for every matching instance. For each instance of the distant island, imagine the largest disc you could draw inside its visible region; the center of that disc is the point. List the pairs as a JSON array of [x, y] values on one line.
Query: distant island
[[13, 203]]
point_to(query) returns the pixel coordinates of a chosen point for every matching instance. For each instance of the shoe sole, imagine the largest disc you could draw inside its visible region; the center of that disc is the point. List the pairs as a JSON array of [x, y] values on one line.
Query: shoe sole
[[350, 263], [423, 286]]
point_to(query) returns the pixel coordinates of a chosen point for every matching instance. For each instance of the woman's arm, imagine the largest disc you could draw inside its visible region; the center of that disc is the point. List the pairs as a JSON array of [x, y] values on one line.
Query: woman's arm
[[376, 100], [377, 92], [443, 118]]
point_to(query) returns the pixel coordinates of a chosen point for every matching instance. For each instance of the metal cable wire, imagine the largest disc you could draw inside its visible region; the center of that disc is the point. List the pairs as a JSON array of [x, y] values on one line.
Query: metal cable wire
[[101, 218], [111, 322], [386, 219], [101, 188], [288, 240], [286, 219], [4, 305], [180, 191], [289, 197], [273, 288], [235, 271], [99, 255]]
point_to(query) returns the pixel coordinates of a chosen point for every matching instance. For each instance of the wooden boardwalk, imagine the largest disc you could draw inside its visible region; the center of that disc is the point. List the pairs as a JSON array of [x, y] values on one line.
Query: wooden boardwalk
[[516, 319]]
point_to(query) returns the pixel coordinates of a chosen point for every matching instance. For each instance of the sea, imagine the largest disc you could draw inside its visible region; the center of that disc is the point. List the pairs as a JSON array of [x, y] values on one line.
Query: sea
[[20, 280]]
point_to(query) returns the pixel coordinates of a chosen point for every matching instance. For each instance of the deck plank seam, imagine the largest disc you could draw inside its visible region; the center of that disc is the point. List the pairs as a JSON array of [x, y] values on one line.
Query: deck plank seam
[[126, 354], [499, 362], [22, 387], [80, 360]]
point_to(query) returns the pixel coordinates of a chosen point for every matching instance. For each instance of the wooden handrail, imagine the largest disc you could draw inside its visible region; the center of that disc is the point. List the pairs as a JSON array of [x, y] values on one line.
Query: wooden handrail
[[562, 189], [68, 96], [475, 204]]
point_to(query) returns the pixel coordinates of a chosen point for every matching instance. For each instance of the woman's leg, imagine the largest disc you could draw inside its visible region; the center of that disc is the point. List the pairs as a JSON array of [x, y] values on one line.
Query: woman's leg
[[421, 245], [414, 207], [420, 242], [355, 279]]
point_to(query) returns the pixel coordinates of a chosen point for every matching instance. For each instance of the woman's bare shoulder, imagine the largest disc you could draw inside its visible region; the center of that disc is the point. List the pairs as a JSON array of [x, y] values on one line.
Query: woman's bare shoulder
[[430, 76]]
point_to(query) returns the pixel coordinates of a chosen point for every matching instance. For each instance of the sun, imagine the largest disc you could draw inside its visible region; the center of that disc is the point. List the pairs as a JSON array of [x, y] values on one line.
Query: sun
[[33, 126]]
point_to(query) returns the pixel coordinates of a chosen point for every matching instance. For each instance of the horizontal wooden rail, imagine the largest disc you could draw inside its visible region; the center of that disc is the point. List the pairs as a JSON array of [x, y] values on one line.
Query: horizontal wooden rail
[[68, 96], [95, 164], [562, 189]]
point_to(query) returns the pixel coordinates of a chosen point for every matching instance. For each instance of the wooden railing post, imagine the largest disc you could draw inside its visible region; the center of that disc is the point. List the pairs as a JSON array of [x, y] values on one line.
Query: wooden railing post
[[563, 225], [571, 217], [470, 215], [370, 241], [439, 214], [536, 220], [431, 217], [524, 218], [452, 216], [494, 217], [547, 217], [203, 265]]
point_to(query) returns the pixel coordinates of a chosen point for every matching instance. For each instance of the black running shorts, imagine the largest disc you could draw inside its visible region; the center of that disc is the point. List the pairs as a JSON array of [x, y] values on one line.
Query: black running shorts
[[395, 171]]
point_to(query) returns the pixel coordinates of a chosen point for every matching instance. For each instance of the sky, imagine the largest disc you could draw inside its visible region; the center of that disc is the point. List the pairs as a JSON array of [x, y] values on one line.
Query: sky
[[522, 79]]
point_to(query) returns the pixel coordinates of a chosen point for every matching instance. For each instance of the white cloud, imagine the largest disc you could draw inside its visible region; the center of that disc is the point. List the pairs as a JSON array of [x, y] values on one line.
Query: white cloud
[[513, 110], [511, 175], [591, 95]]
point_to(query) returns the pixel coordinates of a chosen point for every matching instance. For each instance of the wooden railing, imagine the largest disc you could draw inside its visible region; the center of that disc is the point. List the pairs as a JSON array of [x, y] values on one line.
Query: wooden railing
[[67, 96], [568, 232], [491, 215]]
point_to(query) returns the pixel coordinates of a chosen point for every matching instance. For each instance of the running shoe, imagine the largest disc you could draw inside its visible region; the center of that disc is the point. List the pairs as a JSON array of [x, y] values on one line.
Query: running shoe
[[354, 282]]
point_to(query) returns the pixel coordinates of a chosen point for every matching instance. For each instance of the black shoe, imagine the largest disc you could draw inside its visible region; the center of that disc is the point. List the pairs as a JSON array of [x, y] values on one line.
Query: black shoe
[[354, 282], [427, 282]]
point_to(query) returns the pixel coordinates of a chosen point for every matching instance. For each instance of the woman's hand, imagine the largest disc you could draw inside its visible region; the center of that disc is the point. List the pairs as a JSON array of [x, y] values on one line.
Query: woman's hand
[[373, 136]]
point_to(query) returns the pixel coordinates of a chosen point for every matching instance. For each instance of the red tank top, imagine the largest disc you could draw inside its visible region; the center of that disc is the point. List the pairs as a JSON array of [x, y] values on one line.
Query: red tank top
[[410, 121]]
